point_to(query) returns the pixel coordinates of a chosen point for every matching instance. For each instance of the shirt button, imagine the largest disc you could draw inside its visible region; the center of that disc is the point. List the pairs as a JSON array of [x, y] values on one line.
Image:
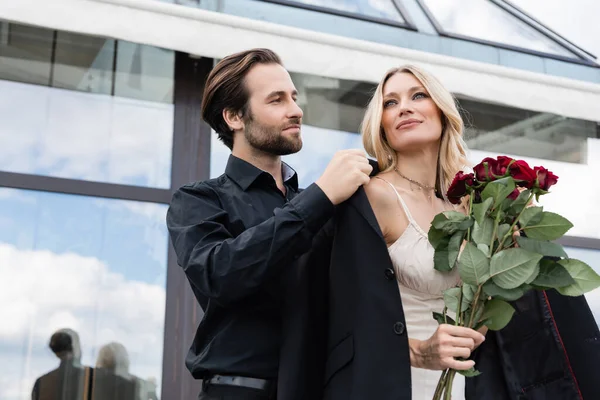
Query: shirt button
[[398, 328], [389, 273]]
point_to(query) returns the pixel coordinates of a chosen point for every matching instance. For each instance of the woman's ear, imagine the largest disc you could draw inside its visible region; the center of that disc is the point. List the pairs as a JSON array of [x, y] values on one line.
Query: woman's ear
[[233, 119]]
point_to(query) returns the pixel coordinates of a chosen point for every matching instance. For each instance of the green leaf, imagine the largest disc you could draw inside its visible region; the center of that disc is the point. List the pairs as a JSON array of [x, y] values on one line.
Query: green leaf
[[451, 297], [441, 256], [498, 190], [473, 265], [552, 275], [439, 317], [534, 274], [469, 373], [551, 227], [436, 237], [545, 248], [451, 221], [468, 292], [495, 291], [519, 203], [510, 268], [503, 230], [586, 279], [482, 233], [497, 313], [454, 247], [531, 215], [479, 210], [485, 248]]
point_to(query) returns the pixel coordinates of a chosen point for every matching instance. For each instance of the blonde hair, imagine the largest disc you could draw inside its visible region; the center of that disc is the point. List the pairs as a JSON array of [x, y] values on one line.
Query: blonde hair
[[453, 149], [113, 356]]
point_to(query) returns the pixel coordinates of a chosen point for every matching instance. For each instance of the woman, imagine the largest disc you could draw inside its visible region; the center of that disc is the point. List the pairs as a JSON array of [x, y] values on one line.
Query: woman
[[408, 133], [382, 340]]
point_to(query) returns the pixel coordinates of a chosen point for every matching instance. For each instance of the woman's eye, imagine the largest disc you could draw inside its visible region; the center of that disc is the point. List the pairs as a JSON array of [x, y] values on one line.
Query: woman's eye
[[389, 103], [419, 95]]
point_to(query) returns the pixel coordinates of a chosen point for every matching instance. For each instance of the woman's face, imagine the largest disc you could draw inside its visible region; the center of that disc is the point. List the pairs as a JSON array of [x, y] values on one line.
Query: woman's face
[[410, 120]]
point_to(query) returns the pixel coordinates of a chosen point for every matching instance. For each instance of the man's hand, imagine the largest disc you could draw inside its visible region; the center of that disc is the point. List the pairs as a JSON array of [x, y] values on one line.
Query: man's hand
[[346, 172]]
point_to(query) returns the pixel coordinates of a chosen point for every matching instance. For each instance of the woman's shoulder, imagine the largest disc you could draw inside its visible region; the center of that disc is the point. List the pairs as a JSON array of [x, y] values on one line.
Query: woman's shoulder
[[380, 191]]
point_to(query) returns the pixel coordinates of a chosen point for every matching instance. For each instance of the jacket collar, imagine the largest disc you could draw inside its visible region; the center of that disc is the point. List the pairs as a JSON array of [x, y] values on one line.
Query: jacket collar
[[360, 202], [245, 174]]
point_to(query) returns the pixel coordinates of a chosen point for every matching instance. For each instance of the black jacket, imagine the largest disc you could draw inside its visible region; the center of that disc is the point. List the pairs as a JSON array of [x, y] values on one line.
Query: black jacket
[[550, 350]]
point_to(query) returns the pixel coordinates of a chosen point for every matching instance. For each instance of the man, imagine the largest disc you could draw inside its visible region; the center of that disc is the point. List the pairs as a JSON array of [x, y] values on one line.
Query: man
[[238, 235], [70, 381]]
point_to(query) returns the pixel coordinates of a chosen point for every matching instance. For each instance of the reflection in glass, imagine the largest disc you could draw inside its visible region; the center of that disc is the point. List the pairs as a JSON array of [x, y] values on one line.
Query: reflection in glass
[[482, 19], [502, 129], [96, 266], [592, 258], [87, 136], [83, 63], [59, 118], [384, 9], [25, 53]]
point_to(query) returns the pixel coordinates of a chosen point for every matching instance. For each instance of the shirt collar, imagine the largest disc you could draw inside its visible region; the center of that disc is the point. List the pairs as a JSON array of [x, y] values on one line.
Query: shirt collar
[[245, 174]]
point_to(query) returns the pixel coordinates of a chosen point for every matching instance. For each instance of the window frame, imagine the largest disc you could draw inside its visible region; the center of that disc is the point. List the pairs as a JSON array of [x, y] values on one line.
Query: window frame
[[585, 58]]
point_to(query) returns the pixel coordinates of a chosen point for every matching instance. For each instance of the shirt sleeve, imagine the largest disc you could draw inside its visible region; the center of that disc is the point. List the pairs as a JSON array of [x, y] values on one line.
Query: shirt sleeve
[[227, 268]]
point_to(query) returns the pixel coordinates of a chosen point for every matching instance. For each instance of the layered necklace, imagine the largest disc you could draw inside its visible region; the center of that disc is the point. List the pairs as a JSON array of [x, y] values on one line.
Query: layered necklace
[[430, 189]]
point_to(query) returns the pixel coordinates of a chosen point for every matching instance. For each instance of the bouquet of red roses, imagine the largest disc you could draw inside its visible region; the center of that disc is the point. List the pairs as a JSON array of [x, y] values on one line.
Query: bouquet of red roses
[[497, 265]]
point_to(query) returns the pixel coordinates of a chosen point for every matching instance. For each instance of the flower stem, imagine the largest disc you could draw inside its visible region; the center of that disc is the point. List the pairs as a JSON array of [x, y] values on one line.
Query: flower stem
[[469, 214], [440, 386], [510, 230], [449, 381], [474, 306]]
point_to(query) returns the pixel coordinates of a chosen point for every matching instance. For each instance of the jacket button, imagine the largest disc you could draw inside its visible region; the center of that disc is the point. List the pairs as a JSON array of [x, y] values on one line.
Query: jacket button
[[398, 328], [389, 274]]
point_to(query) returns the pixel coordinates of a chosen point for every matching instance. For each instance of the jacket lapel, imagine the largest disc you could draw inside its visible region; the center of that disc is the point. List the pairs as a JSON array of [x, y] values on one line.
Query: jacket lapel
[[360, 202]]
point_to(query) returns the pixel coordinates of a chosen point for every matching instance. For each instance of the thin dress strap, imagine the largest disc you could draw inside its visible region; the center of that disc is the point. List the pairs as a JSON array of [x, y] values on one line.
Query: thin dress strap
[[402, 203]]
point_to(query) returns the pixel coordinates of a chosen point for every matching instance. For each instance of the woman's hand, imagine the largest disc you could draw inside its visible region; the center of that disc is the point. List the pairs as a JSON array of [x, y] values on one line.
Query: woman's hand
[[441, 350]]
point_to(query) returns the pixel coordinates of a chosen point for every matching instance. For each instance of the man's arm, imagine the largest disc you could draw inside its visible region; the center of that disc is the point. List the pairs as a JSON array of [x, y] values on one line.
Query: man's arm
[[225, 268]]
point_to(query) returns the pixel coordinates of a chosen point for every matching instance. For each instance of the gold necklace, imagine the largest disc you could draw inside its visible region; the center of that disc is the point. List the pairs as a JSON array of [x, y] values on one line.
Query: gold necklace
[[420, 185]]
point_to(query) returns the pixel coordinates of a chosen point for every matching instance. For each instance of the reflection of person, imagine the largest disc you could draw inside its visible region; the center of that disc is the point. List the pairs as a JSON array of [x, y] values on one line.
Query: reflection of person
[[382, 340], [112, 380], [70, 380], [238, 235]]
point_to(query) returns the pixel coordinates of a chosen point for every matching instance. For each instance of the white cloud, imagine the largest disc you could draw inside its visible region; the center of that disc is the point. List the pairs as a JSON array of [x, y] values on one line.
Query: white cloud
[[48, 291]]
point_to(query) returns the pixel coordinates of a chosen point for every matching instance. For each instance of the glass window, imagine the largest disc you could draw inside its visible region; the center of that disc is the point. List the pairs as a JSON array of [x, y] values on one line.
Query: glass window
[[504, 129], [95, 266], [25, 53], [68, 125], [333, 110], [482, 19], [592, 258]]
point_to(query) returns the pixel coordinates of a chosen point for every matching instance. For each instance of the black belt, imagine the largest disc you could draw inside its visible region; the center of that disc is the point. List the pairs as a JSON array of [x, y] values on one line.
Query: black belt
[[242, 381]]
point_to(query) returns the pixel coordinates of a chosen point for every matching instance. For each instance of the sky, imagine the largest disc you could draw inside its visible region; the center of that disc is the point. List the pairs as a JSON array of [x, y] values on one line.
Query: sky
[[99, 266]]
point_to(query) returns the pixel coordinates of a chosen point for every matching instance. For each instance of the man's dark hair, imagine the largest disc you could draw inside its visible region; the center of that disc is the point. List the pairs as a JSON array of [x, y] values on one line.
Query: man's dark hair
[[61, 342], [225, 89]]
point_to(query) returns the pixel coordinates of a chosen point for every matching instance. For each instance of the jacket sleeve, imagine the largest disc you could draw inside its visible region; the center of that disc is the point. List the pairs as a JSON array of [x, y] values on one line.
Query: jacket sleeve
[[227, 268]]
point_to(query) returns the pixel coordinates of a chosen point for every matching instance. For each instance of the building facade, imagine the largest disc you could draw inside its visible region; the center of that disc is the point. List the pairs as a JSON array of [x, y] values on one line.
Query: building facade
[[100, 123]]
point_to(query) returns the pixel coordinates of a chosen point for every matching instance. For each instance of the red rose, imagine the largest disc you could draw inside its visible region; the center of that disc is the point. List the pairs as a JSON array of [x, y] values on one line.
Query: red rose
[[496, 168], [514, 194], [459, 186], [545, 178], [523, 174]]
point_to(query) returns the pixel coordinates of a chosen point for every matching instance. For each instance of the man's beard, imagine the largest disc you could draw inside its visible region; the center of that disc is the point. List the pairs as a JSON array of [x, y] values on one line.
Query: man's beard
[[270, 139]]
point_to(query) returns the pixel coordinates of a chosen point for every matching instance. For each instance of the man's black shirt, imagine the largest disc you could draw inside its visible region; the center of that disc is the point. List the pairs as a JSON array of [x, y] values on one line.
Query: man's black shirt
[[235, 236]]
